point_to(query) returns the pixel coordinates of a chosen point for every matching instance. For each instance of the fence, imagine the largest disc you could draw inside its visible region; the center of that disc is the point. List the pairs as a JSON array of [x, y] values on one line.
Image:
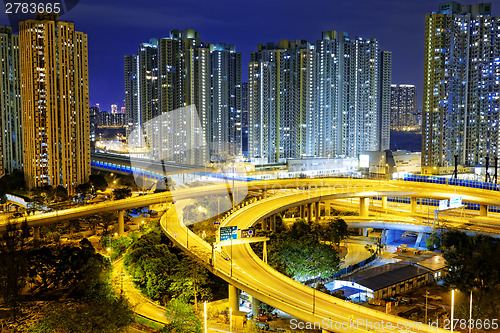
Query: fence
[[452, 181], [344, 271]]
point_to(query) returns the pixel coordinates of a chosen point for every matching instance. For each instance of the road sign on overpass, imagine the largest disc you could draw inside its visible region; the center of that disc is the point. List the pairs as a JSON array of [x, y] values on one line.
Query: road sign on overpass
[[241, 241], [228, 233]]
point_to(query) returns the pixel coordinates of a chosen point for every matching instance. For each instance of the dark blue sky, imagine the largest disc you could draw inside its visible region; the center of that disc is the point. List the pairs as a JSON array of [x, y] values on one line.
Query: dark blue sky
[[117, 27]]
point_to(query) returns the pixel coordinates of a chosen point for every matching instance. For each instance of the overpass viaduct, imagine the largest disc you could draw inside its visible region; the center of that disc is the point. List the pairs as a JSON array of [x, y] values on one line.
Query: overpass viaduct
[[247, 272]]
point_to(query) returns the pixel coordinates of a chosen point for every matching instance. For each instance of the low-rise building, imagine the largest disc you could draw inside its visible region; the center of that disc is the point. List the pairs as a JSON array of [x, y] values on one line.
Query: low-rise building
[[383, 281], [436, 266]]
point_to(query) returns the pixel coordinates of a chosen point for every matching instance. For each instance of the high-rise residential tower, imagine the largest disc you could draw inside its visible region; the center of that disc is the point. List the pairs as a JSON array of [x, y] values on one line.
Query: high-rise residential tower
[[141, 84], [94, 122], [461, 96], [225, 100], [244, 118], [403, 106], [178, 72], [184, 80], [385, 79], [55, 102], [280, 100], [325, 99], [11, 147]]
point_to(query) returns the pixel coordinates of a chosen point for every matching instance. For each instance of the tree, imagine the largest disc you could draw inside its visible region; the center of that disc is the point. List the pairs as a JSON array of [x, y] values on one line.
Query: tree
[[152, 265], [83, 189], [433, 241], [181, 317], [86, 275], [122, 193], [12, 182], [304, 259], [336, 231], [60, 193], [13, 268], [474, 264], [98, 181], [190, 280], [105, 220]]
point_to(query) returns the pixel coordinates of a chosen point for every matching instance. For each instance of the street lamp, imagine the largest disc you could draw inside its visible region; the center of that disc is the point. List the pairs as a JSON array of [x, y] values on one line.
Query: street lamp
[[231, 254], [470, 312], [452, 306], [426, 295], [232, 191], [230, 320], [205, 315]]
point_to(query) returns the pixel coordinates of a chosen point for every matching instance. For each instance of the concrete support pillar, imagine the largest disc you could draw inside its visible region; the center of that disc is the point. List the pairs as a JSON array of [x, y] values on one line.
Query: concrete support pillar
[[273, 223], [264, 224], [317, 210], [255, 307], [384, 202], [234, 298], [419, 239], [383, 237], [363, 206], [483, 210], [328, 207], [36, 233], [365, 232], [413, 205], [121, 223], [309, 212], [302, 212]]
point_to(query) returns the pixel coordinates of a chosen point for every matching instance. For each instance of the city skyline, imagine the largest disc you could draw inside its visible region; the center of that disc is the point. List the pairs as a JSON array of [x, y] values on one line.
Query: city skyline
[[115, 29]]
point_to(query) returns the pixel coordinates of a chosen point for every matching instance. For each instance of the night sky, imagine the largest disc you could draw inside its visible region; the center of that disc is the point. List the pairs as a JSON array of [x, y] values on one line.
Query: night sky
[[117, 27]]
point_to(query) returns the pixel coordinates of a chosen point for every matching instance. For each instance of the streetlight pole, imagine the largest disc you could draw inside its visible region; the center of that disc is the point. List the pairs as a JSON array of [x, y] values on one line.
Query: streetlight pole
[[470, 309], [314, 299], [426, 294], [452, 305], [205, 316], [231, 253], [233, 186], [230, 320]]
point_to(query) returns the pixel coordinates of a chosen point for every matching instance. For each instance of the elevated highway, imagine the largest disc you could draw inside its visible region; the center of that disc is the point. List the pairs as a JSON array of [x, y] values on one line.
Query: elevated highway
[[247, 272], [332, 189]]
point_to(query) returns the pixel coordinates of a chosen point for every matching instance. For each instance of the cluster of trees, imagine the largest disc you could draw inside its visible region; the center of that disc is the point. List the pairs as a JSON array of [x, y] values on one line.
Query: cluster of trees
[[164, 273], [48, 194], [12, 182], [121, 193], [181, 317], [304, 250], [76, 271], [97, 182], [474, 265]]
